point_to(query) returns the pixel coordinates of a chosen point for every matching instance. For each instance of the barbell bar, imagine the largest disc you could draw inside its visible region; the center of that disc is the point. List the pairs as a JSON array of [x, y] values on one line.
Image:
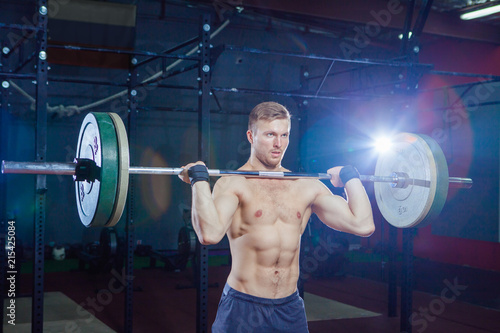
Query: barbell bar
[[69, 169], [411, 182]]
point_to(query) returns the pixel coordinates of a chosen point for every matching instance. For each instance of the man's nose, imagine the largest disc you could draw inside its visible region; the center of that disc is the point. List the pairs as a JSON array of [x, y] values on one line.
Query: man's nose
[[277, 142]]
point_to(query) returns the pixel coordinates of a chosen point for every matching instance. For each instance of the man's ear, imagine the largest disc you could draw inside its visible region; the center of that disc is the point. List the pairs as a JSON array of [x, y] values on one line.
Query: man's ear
[[250, 136]]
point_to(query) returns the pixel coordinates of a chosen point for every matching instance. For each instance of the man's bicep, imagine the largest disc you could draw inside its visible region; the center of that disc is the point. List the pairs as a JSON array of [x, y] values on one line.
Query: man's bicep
[[226, 203], [332, 210], [329, 204]]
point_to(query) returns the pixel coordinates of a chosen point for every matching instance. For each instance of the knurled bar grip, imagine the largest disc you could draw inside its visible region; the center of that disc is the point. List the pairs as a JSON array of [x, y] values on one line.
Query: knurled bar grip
[[47, 168]]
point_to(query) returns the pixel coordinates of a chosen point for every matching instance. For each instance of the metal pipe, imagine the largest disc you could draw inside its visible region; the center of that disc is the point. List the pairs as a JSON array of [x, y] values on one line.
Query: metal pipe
[[8, 75], [458, 182], [118, 51], [287, 94], [383, 179], [39, 168], [324, 57], [154, 171]]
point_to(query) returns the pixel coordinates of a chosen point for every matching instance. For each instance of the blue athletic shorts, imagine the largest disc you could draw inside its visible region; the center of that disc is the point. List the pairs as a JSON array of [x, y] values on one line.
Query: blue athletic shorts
[[242, 313]]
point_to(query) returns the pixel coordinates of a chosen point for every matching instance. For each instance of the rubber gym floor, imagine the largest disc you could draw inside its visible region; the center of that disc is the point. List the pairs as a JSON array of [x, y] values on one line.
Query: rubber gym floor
[[446, 298]]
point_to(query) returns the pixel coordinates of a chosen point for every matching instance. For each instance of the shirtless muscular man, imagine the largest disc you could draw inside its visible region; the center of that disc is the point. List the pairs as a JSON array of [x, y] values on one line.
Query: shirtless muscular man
[[264, 220]]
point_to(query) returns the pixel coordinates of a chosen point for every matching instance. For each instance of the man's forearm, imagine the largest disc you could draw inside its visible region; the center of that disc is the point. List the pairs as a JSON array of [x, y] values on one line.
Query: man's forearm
[[204, 215], [360, 206]]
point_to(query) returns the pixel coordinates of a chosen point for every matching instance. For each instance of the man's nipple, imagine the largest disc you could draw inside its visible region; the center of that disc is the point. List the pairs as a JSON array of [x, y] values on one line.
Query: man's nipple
[[298, 215], [258, 213]]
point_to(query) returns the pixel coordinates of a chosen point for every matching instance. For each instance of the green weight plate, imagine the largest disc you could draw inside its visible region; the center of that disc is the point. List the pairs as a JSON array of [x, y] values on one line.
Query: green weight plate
[[97, 141], [124, 161], [421, 158]]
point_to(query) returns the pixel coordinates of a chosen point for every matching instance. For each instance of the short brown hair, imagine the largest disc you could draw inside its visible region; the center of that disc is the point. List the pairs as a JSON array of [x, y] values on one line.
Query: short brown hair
[[267, 111]]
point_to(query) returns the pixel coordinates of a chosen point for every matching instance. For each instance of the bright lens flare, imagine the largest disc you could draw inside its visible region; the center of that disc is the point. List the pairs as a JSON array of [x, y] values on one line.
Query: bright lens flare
[[382, 144]]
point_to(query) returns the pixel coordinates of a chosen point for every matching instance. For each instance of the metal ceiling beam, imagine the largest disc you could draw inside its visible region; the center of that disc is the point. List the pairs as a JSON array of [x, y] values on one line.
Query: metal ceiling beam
[[378, 62], [407, 27], [422, 18], [364, 11]]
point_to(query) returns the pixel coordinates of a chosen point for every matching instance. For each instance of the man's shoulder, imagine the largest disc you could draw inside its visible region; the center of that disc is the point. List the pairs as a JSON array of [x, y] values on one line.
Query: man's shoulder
[[313, 185], [230, 182]]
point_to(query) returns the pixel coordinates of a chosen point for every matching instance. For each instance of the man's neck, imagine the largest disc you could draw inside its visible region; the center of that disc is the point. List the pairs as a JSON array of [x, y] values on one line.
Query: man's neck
[[254, 164]]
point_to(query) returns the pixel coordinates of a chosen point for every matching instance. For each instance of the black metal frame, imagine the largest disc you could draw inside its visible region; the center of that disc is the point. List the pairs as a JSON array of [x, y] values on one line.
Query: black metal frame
[[410, 49], [3, 194], [407, 281], [154, 55], [204, 73], [129, 227], [414, 69], [41, 181], [392, 278], [41, 77]]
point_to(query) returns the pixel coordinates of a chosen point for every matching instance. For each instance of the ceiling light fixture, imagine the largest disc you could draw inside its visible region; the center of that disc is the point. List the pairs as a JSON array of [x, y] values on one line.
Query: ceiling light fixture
[[480, 12]]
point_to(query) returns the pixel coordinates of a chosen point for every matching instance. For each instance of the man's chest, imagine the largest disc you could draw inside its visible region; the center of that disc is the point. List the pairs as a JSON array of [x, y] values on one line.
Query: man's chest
[[272, 200]]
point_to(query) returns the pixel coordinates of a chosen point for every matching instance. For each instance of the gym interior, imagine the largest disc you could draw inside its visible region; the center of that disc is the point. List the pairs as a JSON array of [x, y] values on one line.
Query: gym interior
[[181, 77]]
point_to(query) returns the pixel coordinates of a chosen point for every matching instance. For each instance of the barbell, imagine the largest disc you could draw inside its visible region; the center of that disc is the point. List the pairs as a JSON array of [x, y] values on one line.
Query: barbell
[[410, 182]]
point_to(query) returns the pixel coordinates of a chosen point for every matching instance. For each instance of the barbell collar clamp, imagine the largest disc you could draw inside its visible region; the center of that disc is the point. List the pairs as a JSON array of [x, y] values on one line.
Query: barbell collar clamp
[[402, 180], [86, 170]]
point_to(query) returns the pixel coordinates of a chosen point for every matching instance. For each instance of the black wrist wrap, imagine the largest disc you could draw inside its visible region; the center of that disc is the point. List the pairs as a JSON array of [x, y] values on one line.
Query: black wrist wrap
[[198, 173], [347, 173]]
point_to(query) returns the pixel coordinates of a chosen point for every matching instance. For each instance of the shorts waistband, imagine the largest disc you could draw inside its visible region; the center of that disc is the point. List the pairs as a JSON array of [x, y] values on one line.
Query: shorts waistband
[[229, 291]]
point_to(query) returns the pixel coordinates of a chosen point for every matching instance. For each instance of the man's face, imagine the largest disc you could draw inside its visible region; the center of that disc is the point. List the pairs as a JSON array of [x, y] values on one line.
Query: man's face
[[269, 139]]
